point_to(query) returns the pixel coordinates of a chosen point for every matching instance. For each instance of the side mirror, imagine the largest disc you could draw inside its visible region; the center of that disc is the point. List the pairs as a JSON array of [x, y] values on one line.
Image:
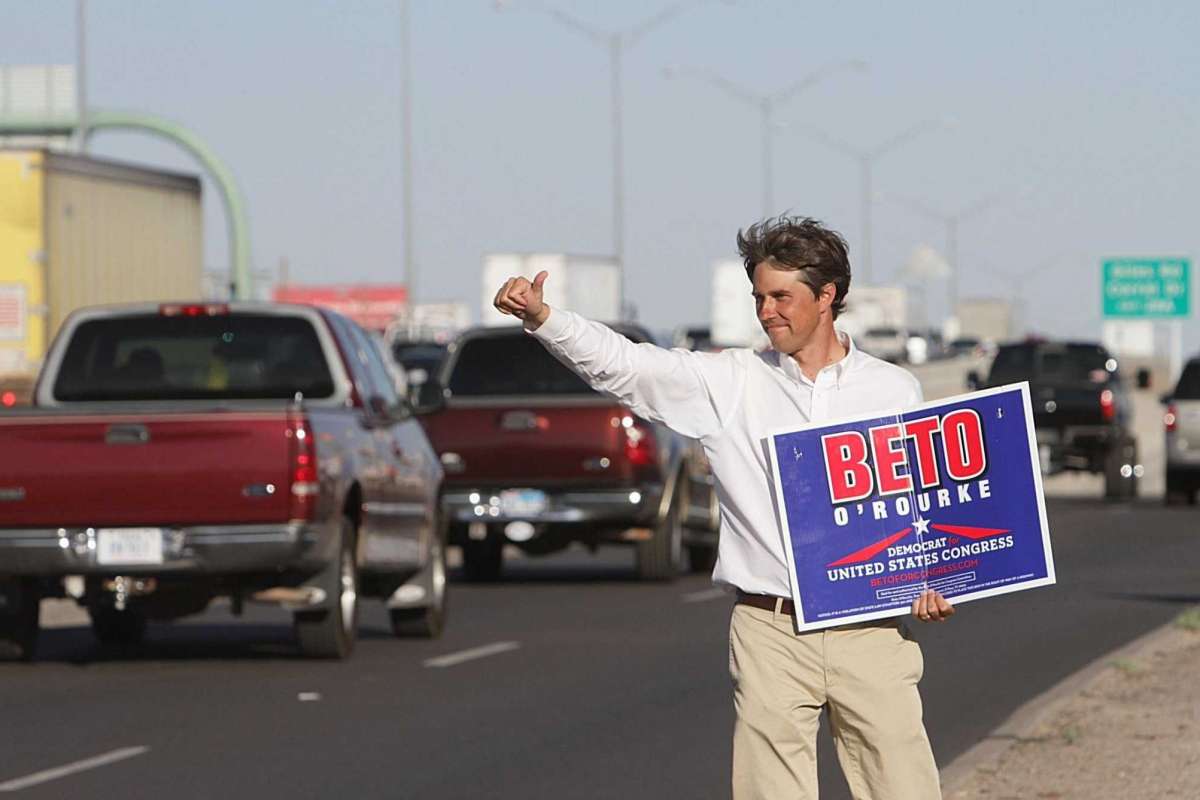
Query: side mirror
[[1143, 378], [428, 398], [973, 381], [378, 406], [1165, 399]]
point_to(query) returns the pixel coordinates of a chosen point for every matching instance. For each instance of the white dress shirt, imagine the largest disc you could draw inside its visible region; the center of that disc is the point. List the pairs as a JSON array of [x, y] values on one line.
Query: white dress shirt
[[730, 401]]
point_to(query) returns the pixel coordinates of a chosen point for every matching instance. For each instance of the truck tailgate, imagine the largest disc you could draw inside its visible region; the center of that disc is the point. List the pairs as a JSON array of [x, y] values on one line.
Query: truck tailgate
[[531, 444], [144, 469]]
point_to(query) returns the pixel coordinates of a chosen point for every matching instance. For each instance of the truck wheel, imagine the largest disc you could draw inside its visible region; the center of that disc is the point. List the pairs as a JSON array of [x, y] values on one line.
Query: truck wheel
[[701, 558], [426, 622], [1120, 481], [127, 627], [20, 606], [659, 558], [330, 632], [1179, 491], [483, 560]]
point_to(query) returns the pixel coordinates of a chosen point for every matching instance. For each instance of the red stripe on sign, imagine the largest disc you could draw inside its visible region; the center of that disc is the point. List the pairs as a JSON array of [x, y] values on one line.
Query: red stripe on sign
[[871, 549], [969, 532]]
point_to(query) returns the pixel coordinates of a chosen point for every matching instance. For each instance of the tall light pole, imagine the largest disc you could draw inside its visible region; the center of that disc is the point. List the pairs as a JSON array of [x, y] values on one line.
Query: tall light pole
[[615, 43], [951, 220], [866, 158], [766, 104], [81, 101], [410, 268]]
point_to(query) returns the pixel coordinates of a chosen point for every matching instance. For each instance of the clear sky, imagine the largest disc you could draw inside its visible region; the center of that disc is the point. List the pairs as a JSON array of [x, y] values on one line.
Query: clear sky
[[1081, 118]]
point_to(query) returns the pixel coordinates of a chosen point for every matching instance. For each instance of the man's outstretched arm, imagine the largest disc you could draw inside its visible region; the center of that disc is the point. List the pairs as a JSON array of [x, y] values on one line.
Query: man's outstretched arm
[[693, 393]]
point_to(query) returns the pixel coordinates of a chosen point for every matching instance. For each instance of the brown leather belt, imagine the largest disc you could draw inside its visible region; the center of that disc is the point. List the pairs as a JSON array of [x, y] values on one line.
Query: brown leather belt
[[767, 602]]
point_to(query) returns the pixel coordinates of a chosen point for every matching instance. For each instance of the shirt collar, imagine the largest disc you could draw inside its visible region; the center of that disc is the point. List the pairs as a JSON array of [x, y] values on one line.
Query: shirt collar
[[840, 368]]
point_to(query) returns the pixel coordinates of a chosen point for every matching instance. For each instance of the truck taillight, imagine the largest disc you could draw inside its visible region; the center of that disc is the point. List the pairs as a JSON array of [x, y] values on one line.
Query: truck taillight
[[8, 399], [1170, 417], [1108, 405], [305, 483], [193, 309], [640, 445]]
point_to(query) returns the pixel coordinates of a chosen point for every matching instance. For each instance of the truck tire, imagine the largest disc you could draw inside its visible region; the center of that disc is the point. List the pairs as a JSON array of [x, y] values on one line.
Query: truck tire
[[483, 559], [330, 632], [1120, 480], [20, 606], [428, 621], [701, 558], [1179, 492], [112, 627], [659, 558]]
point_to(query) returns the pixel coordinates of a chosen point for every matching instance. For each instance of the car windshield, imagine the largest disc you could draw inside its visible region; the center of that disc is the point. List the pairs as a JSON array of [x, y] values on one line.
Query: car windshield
[[1053, 363], [155, 357], [1188, 387]]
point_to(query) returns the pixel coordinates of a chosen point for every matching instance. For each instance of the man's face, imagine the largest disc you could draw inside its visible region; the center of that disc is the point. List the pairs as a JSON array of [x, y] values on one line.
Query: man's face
[[787, 309]]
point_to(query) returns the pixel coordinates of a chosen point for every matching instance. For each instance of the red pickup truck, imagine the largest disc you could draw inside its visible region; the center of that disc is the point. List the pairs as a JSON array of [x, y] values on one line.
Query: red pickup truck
[[536, 458], [178, 453]]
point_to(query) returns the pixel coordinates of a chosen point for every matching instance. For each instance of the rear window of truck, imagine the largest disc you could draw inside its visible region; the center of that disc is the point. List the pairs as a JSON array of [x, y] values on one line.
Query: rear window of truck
[[1188, 387], [231, 356], [511, 365], [1062, 364]]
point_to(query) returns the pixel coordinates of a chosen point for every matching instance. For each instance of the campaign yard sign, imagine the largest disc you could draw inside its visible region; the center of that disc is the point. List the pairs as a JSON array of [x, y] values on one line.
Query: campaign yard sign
[[945, 496]]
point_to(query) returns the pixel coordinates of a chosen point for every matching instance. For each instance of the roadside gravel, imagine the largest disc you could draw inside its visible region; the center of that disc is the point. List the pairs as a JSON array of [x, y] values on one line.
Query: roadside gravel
[[1131, 730]]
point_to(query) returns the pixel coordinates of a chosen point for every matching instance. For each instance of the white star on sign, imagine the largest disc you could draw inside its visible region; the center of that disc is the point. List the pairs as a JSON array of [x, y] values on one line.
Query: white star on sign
[[922, 526]]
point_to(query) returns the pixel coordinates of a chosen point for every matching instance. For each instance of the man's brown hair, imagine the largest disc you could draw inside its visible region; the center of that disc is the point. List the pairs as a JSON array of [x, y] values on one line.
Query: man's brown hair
[[802, 244]]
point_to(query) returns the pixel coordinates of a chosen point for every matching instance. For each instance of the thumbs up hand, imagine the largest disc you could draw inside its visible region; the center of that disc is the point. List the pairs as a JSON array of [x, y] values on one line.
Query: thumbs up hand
[[523, 300]]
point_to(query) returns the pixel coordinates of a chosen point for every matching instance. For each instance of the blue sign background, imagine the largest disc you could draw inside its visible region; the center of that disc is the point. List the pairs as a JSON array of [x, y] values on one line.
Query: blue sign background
[[1014, 506]]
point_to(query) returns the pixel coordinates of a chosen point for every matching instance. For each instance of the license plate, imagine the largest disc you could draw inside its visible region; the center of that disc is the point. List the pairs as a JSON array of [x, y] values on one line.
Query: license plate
[[129, 546], [522, 502]]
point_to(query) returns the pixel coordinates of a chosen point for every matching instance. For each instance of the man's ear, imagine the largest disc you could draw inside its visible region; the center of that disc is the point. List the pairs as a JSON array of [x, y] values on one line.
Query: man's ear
[[827, 295]]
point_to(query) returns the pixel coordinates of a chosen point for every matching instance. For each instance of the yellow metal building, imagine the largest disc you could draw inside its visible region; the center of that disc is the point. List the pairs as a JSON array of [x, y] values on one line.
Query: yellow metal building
[[78, 231]]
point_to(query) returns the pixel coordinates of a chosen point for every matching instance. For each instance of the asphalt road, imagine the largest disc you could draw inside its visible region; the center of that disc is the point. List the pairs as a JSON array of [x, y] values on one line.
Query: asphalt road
[[591, 684]]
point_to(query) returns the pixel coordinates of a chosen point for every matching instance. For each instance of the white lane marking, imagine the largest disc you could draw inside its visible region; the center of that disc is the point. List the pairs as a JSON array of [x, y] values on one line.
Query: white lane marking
[[309, 697], [706, 594], [47, 775], [472, 654]]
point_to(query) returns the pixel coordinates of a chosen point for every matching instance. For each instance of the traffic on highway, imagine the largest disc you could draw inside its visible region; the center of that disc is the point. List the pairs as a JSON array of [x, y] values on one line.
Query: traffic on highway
[[818, 436]]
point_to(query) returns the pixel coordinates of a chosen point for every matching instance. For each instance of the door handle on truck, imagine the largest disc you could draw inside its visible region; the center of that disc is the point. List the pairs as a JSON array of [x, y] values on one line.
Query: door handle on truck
[[127, 434]]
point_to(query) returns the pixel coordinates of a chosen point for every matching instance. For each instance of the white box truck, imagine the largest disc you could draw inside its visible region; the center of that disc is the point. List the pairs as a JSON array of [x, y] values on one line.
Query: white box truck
[[588, 285], [985, 318], [734, 318]]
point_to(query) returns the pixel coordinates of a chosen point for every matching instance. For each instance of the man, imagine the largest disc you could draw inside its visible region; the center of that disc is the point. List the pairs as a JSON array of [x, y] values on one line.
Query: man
[[865, 674]]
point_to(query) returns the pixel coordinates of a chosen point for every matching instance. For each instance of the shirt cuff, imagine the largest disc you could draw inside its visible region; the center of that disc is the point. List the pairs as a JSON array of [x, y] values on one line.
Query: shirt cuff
[[556, 328]]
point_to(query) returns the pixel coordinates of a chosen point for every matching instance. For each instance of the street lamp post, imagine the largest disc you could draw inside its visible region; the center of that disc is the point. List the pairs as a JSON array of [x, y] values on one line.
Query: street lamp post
[[766, 104], [866, 158], [410, 269], [951, 220], [615, 43], [81, 99]]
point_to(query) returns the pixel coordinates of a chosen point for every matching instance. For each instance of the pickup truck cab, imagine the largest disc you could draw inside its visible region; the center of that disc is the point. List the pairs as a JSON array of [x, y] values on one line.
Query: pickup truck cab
[[1082, 412], [536, 458], [178, 453]]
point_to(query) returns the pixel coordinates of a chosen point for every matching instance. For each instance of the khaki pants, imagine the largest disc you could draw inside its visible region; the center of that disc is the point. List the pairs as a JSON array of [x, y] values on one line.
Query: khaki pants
[[866, 675]]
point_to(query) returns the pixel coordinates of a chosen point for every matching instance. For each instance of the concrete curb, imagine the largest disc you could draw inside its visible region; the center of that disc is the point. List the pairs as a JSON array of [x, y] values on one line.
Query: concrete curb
[[1026, 719]]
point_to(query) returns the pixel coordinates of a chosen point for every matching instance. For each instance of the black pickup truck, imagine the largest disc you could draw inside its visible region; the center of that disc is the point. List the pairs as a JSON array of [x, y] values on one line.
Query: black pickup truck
[[1081, 410]]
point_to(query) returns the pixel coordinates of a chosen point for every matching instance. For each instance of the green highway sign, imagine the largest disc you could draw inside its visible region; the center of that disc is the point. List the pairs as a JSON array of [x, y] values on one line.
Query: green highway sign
[[1147, 287]]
